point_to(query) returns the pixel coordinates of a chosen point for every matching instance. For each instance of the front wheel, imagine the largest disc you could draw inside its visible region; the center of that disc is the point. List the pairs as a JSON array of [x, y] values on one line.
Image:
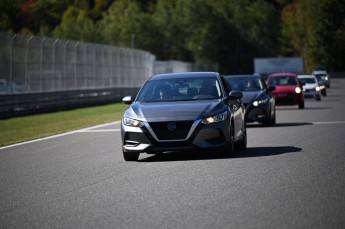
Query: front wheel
[[272, 119], [301, 105], [230, 148], [242, 145], [130, 156]]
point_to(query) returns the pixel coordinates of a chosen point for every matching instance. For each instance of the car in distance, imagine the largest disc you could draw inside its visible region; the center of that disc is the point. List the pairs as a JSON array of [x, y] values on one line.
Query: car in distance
[[310, 86], [320, 72], [288, 90], [257, 97], [183, 111]]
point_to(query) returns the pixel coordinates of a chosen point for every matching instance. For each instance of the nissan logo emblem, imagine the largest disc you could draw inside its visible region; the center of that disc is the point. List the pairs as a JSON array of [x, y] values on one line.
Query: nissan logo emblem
[[171, 126]]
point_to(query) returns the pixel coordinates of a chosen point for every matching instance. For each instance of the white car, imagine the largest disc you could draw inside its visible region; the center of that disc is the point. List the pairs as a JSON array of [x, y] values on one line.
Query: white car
[[310, 86]]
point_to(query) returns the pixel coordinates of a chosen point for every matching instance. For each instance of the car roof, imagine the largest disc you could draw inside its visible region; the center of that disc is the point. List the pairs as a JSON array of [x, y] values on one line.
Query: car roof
[[184, 75], [283, 74], [306, 76], [244, 75]]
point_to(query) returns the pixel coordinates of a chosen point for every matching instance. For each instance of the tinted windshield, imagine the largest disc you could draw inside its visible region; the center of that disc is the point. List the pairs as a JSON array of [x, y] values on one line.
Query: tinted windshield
[[180, 89], [308, 80], [282, 81], [245, 83]]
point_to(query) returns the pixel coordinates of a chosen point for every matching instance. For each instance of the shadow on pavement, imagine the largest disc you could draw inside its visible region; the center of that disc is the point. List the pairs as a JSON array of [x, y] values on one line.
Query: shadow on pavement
[[287, 124], [306, 108], [267, 151], [213, 155]]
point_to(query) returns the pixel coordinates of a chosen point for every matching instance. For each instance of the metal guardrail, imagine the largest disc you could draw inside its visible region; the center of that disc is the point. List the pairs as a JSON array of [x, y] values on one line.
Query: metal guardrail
[[22, 104]]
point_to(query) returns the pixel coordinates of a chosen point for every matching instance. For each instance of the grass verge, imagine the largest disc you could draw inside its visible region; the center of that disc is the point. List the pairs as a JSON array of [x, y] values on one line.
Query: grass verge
[[19, 129]]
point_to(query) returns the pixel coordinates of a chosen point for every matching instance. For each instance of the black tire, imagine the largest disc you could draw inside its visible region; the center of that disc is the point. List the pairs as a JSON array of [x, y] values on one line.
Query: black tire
[[301, 105], [274, 118], [130, 156], [267, 123], [230, 148], [271, 121], [324, 92], [242, 145]]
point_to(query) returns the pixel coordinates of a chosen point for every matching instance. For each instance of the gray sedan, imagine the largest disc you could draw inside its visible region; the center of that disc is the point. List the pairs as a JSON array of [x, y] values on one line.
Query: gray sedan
[[183, 111]]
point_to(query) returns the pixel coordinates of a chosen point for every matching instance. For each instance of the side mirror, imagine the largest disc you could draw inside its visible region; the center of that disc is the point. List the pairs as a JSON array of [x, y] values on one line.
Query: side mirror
[[127, 100], [271, 88], [235, 95]]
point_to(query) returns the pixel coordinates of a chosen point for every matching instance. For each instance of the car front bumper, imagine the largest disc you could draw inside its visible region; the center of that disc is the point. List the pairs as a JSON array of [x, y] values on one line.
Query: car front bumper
[[257, 113], [312, 94], [200, 136], [289, 98]]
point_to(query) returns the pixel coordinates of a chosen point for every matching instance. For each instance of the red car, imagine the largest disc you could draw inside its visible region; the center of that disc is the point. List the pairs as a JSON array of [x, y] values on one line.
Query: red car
[[288, 91]]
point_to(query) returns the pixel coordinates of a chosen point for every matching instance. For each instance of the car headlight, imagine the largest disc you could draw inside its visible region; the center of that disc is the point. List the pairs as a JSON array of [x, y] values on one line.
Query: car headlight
[[132, 122], [216, 118], [317, 88], [260, 101], [298, 90]]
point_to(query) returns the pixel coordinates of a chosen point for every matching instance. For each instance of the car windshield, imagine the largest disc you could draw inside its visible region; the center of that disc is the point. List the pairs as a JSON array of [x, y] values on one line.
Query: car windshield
[[318, 74], [181, 89], [308, 80], [282, 81], [245, 83]]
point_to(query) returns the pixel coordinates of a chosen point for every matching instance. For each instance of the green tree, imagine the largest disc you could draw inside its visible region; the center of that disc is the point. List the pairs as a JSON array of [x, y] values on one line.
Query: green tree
[[48, 14], [15, 16], [124, 24], [259, 24], [298, 21], [232, 33], [76, 25], [327, 46], [170, 31], [315, 29]]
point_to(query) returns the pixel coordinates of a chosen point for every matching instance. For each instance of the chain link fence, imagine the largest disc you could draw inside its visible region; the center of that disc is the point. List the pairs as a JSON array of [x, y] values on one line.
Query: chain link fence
[[40, 64], [41, 74]]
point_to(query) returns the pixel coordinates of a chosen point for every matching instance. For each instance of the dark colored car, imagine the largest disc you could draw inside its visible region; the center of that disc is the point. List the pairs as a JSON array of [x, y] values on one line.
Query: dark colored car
[[288, 90], [257, 97], [183, 111], [320, 72]]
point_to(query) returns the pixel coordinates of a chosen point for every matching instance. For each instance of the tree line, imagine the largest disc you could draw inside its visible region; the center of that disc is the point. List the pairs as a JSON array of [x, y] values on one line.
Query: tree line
[[229, 33]]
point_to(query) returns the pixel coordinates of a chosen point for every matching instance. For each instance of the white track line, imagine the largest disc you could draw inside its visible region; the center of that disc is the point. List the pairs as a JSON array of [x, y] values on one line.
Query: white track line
[[88, 129], [99, 131], [335, 122], [91, 129]]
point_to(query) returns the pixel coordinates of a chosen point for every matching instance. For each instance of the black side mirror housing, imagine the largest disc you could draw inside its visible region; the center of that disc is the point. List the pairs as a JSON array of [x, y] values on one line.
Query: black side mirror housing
[[271, 88], [235, 95], [127, 100]]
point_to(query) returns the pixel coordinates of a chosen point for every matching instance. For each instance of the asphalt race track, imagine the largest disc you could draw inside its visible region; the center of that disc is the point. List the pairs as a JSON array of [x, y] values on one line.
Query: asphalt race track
[[291, 176]]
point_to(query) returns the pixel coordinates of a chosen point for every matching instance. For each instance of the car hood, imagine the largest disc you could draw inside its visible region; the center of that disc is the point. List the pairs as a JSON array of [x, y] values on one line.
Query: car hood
[[310, 86], [287, 88], [249, 96], [175, 111]]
